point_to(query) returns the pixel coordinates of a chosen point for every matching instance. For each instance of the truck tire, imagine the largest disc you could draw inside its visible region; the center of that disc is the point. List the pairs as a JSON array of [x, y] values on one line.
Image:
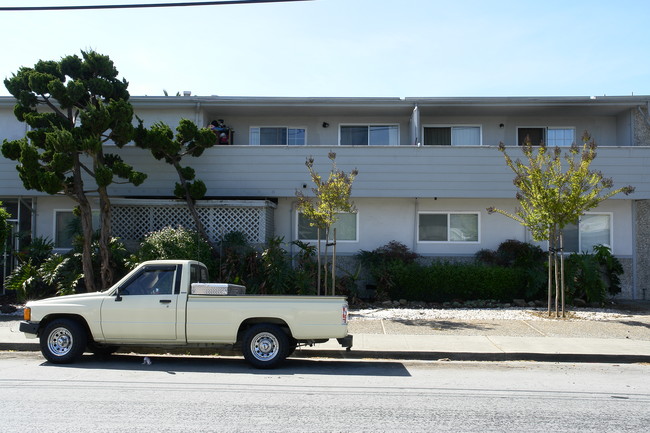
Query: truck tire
[[63, 341], [265, 345]]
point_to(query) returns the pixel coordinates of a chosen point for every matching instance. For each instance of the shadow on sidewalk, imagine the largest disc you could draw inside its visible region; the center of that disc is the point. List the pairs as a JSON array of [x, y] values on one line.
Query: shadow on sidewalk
[[443, 325]]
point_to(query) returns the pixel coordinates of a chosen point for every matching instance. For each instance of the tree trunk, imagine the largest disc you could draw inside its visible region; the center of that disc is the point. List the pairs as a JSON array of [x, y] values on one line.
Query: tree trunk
[[556, 273], [86, 217], [191, 206], [562, 271], [326, 261], [318, 259], [550, 276], [105, 235], [334, 262], [87, 234]]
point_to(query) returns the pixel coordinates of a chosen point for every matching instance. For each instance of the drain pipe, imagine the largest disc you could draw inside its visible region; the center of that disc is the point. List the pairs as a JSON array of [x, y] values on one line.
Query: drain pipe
[[415, 226], [196, 115]]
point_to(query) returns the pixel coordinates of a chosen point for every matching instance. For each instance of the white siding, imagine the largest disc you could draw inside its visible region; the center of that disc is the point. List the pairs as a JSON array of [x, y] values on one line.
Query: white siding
[[404, 171]]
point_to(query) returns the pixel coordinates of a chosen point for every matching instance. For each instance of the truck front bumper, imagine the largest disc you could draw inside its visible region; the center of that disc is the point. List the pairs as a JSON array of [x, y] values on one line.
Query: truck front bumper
[[345, 342], [28, 327]]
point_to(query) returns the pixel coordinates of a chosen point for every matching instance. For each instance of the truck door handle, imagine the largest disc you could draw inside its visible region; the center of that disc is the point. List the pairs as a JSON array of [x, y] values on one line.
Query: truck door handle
[[165, 301]]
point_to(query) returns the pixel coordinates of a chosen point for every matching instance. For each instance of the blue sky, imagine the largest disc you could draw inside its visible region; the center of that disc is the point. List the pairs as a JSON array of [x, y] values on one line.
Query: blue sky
[[351, 47]]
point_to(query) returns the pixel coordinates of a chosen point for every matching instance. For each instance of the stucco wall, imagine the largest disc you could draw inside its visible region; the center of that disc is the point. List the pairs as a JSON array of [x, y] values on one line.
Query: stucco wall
[[642, 258], [641, 126]]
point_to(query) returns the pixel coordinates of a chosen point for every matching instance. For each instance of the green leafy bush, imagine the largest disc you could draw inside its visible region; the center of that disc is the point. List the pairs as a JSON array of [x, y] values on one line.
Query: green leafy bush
[[269, 270], [176, 243], [42, 274], [593, 276]]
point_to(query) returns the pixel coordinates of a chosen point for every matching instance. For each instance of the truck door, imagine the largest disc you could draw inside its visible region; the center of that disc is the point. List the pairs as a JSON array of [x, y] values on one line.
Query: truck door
[[144, 307]]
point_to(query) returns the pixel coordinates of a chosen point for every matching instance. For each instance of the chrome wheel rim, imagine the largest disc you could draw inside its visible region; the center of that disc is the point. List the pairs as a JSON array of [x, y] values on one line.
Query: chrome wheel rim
[[265, 346], [60, 341]]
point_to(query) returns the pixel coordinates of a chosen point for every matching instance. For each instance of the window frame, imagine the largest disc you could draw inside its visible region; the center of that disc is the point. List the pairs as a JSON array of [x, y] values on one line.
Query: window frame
[[96, 216], [451, 127], [546, 129], [55, 228], [175, 282], [287, 128], [449, 213], [368, 126], [356, 221], [610, 215]]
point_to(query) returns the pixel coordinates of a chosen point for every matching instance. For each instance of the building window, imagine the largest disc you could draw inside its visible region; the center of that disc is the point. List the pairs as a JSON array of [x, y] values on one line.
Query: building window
[[64, 229], [551, 136], [452, 136], [448, 227], [278, 136], [593, 229], [369, 135], [346, 228]]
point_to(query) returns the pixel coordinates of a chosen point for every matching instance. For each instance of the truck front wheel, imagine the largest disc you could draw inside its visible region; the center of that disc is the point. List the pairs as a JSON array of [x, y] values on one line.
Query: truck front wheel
[[63, 341], [265, 345]]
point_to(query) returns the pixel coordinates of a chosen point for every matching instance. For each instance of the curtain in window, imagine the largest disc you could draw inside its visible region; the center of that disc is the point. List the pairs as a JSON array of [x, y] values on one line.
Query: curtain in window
[[346, 228], [561, 137], [437, 136], [273, 136], [432, 227], [383, 135], [466, 136], [354, 135], [463, 227], [594, 230]]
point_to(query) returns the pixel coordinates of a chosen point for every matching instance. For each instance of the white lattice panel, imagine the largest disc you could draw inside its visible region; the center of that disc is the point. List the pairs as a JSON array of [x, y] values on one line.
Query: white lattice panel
[[134, 221]]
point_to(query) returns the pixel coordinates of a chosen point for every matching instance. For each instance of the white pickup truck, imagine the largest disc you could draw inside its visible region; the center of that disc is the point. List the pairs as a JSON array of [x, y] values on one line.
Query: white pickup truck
[[168, 303]]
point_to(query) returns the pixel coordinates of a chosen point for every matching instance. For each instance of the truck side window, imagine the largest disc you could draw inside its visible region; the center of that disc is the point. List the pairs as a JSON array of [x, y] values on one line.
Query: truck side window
[[198, 274], [150, 282]]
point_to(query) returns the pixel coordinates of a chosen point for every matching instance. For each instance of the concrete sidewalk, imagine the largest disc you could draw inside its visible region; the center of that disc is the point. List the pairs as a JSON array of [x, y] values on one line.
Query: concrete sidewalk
[[493, 341]]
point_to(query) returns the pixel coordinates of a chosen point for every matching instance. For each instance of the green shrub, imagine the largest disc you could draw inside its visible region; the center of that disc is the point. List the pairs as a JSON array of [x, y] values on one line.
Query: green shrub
[[381, 261], [529, 259], [177, 243], [270, 270], [441, 282], [42, 274], [593, 276]]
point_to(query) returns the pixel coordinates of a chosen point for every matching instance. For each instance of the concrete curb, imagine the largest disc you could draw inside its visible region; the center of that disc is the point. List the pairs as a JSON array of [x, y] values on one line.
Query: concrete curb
[[473, 356], [309, 353]]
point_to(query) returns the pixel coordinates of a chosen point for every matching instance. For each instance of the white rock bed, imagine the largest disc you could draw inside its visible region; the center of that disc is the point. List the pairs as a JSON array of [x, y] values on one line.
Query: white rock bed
[[481, 314]]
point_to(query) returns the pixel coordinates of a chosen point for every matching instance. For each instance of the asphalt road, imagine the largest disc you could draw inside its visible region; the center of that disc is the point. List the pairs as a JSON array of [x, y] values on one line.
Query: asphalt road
[[180, 394]]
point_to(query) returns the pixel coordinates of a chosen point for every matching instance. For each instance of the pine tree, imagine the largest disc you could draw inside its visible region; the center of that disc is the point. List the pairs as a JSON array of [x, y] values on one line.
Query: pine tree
[[73, 108]]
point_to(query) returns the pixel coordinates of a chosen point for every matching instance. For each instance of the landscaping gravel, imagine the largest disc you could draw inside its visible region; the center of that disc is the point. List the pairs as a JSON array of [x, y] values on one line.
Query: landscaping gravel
[[473, 314]]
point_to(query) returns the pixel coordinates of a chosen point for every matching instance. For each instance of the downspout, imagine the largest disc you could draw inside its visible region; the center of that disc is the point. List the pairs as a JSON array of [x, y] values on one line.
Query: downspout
[[415, 225], [196, 116], [292, 210], [634, 251]]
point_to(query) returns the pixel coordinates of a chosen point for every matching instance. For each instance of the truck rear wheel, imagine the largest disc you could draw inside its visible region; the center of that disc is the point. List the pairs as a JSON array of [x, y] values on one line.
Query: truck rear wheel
[[265, 345], [63, 341]]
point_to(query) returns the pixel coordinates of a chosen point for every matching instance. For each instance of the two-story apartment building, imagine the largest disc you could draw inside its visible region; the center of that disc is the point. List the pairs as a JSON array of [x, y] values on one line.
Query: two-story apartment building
[[428, 169]]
